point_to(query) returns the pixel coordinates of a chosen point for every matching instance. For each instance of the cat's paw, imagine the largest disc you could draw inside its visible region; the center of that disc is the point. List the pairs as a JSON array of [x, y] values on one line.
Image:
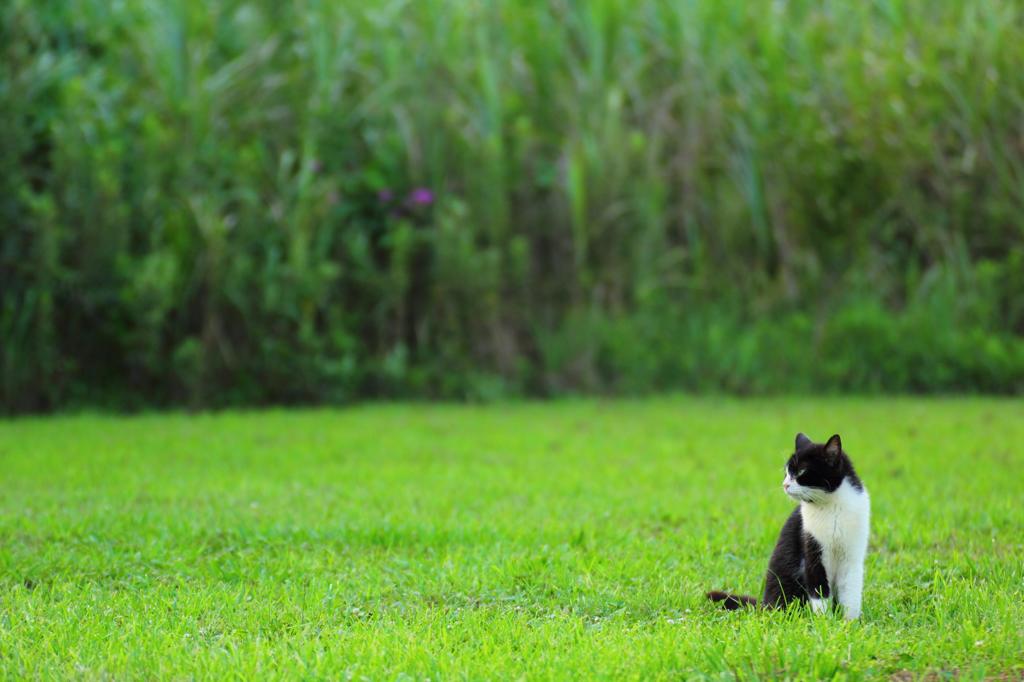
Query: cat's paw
[[819, 605]]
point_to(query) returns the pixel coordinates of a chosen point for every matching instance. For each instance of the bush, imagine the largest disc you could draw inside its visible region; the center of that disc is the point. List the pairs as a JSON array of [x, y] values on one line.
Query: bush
[[242, 202]]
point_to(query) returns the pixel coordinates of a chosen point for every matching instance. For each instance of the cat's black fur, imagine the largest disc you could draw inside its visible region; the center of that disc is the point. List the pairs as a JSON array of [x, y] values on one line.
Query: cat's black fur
[[795, 571], [826, 464]]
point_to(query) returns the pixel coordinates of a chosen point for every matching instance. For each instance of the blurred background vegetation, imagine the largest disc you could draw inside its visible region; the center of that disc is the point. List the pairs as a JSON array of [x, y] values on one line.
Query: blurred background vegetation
[[246, 202]]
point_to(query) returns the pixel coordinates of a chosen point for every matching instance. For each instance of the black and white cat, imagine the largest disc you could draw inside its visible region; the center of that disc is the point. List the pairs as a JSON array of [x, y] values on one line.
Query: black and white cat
[[820, 552]]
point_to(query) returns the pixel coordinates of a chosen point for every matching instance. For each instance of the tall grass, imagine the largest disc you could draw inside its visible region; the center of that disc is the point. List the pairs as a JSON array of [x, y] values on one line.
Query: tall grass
[[232, 201]]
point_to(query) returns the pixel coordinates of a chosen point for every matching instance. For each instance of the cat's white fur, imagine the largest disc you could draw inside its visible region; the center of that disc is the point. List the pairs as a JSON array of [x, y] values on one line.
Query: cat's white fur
[[840, 522]]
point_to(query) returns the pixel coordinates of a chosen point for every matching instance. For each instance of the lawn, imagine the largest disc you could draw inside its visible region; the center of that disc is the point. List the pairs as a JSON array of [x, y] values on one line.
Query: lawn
[[570, 539]]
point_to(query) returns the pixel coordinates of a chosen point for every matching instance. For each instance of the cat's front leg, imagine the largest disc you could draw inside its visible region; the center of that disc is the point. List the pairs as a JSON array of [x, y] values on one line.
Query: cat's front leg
[[815, 576], [849, 589]]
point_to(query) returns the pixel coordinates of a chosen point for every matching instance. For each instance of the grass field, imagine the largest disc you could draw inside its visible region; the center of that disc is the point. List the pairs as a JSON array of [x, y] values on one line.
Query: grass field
[[545, 541]]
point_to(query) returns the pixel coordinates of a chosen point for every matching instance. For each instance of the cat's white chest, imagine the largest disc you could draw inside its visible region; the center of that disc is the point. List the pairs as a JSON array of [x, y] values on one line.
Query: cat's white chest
[[840, 526]]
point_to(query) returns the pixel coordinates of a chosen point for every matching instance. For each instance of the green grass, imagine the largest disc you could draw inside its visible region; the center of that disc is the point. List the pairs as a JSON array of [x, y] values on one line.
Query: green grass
[[540, 540]]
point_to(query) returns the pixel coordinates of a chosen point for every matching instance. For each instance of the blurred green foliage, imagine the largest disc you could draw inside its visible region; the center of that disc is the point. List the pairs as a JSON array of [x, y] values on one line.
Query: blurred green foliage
[[236, 202]]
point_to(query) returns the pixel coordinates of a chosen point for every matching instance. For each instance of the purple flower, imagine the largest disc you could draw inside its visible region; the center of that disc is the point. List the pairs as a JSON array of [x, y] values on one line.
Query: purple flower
[[421, 196], [385, 195]]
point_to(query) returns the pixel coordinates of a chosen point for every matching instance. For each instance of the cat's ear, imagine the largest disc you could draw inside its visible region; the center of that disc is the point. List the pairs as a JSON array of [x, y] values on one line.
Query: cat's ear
[[802, 441], [833, 448]]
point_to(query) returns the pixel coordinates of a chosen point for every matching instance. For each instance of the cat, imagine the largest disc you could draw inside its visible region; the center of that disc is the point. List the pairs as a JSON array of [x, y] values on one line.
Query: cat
[[820, 552]]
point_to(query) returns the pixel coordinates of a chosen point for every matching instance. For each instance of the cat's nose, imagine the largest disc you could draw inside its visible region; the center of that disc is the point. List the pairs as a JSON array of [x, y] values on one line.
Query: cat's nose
[[785, 486]]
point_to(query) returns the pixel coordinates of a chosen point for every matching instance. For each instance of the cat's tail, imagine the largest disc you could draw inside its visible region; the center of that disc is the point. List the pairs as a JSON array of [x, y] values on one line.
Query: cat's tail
[[732, 601]]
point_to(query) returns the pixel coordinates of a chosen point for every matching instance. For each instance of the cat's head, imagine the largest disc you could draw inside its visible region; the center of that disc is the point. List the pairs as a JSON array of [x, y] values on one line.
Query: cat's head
[[816, 470]]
